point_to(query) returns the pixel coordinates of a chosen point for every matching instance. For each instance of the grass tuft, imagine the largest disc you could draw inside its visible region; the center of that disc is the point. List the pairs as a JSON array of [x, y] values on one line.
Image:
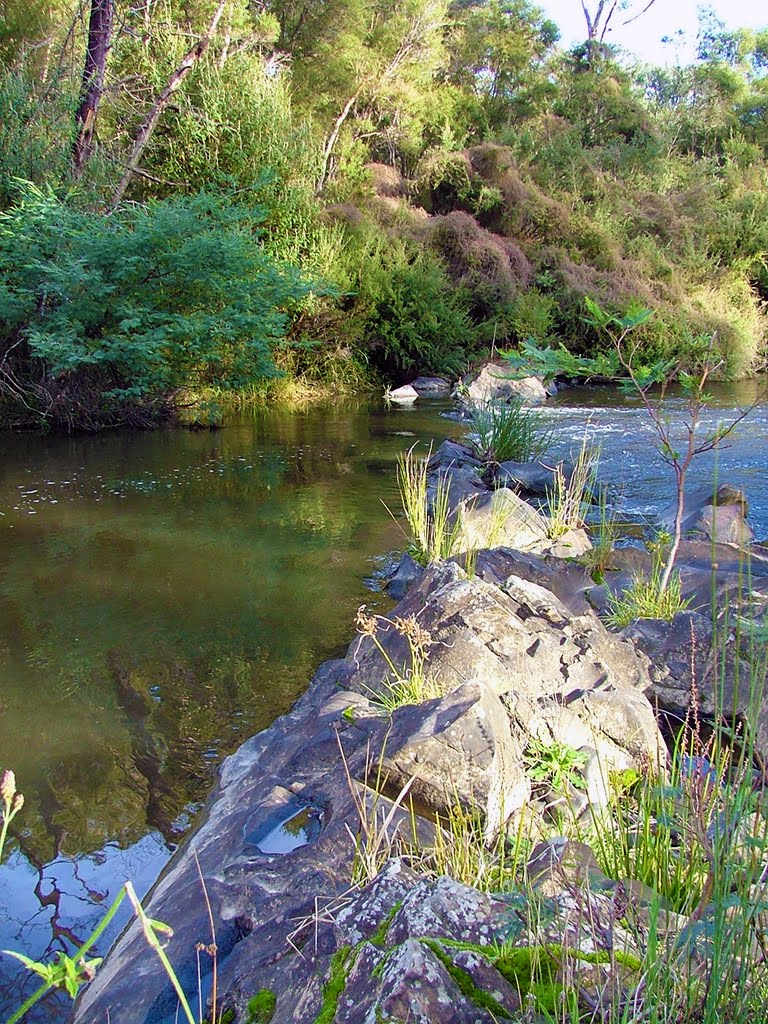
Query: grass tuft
[[509, 432]]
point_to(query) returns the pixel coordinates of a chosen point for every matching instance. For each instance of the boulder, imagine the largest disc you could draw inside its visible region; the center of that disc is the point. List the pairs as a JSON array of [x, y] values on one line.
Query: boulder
[[690, 661], [431, 387], [457, 467], [699, 505], [406, 395], [535, 477], [571, 544], [453, 454], [496, 382], [407, 572], [501, 518], [514, 637], [570, 583], [724, 524], [459, 749]]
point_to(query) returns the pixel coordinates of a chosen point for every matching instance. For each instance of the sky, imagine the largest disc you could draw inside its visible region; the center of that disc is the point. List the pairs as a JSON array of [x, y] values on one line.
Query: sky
[[643, 36]]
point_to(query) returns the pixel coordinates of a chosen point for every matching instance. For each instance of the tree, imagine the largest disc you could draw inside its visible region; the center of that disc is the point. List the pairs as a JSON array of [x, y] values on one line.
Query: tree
[[497, 50], [599, 16], [149, 123], [96, 52]]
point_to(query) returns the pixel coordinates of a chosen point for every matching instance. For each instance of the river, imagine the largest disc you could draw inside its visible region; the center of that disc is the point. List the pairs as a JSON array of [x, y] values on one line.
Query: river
[[165, 595]]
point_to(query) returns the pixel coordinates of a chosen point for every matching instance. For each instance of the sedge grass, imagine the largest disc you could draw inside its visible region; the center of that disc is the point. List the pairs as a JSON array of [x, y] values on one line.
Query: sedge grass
[[645, 598], [509, 432], [569, 495], [433, 533]]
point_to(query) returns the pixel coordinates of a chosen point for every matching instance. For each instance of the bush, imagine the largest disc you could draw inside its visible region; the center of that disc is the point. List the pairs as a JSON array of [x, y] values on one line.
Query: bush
[[401, 307], [107, 318]]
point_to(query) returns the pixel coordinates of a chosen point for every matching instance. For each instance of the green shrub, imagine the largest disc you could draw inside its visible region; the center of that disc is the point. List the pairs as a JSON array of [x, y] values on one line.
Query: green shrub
[[105, 314], [407, 315]]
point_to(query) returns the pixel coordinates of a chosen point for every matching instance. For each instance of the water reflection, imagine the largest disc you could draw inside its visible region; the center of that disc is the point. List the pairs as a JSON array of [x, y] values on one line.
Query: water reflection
[[163, 596]]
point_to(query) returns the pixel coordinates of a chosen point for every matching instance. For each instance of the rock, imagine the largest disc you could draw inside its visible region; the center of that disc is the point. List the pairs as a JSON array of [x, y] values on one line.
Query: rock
[[501, 518], [414, 986], [562, 677], [405, 395], [700, 499], [534, 477], [555, 670], [431, 387], [457, 467], [496, 382], [571, 544], [407, 572], [459, 749], [569, 583], [724, 524], [453, 454], [462, 482], [687, 656]]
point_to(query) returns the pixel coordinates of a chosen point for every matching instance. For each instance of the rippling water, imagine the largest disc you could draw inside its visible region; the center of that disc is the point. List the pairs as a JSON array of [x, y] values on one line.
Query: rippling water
[[165, 595]]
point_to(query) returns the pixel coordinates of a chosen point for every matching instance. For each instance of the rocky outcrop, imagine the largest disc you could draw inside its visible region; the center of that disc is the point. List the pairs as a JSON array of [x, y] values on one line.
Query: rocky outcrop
[[277, 850], [716, 513]]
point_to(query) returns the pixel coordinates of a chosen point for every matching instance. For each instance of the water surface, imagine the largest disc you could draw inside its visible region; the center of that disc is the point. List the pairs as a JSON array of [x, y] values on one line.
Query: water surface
[[165, 595]]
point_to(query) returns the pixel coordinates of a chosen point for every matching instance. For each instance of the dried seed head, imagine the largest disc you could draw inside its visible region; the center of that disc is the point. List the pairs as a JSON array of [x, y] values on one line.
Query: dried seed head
[[366, 624], [7, 786], [416, 635]]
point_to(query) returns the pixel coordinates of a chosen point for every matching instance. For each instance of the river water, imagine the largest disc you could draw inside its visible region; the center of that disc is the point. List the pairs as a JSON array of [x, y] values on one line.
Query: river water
[[165, 595]]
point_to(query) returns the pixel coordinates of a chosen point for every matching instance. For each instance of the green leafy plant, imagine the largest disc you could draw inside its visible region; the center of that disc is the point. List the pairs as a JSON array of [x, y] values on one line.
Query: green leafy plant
[[509, 432], [556, 764], [101, 315]]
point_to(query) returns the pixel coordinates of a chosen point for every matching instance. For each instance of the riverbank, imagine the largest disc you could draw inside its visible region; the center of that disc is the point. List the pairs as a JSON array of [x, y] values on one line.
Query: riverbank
[[313, 915]]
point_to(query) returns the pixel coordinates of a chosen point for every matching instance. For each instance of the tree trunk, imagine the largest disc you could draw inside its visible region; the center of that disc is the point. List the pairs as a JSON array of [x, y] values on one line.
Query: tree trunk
[[148, 125], [99, 42]]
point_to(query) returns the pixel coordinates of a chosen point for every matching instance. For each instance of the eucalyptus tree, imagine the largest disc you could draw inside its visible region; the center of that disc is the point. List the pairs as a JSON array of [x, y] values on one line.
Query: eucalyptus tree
[[498, 50]]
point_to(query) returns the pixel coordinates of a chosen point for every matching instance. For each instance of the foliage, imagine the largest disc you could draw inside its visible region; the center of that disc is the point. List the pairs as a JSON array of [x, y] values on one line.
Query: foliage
[[509, 431], [645, 597], [603, 535], [557, 764], [433, 534], [100, 313], [405, 311]]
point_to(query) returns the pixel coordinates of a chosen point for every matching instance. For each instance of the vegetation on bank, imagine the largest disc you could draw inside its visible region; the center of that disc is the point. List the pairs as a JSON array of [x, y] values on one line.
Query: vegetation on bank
[[343, 190]]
